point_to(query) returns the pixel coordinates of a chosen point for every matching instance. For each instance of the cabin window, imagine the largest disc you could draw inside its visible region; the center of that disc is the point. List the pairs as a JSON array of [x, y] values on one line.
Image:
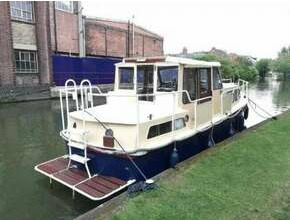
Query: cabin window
[[145, 82], [189, 84], [167, 79], [217, 82], [126, 78], [204, 82], [165, 127]]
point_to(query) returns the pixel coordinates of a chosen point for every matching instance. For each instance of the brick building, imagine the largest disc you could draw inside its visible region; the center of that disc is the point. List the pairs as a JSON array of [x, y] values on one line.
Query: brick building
[[31, 32]]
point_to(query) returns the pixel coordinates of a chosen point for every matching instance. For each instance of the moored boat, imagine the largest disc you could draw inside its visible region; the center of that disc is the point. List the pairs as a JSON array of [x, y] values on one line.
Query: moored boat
[[162, 110]]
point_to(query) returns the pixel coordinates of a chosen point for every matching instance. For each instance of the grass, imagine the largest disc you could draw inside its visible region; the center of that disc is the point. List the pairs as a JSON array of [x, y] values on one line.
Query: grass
[[248, 178]]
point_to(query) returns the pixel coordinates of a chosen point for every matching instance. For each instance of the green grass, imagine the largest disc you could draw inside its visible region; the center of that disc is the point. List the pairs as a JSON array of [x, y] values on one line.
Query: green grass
[[248, 178]]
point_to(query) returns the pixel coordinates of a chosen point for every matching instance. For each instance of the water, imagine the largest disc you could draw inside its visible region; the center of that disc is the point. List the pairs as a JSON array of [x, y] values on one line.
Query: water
[[271, 95], [29, 135]]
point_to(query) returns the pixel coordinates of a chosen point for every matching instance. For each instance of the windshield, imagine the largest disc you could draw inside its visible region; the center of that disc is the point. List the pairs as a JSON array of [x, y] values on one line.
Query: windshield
[[126, 78]]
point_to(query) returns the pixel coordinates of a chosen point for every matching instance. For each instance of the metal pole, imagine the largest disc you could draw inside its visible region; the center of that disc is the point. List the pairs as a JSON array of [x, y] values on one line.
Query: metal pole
[[133, 40]]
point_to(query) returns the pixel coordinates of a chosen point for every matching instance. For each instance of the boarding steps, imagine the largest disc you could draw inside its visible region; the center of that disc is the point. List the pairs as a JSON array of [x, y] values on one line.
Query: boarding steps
[[78, 145]]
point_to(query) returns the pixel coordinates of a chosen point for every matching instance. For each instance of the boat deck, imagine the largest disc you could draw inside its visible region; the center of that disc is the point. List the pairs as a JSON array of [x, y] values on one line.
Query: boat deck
[[95, 188]]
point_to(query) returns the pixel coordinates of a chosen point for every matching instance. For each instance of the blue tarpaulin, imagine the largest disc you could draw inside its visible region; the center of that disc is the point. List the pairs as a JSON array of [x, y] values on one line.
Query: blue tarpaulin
[[97, 70]]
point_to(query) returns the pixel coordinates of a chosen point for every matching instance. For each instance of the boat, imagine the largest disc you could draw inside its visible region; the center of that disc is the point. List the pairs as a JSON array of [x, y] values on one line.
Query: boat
[[161, 111]]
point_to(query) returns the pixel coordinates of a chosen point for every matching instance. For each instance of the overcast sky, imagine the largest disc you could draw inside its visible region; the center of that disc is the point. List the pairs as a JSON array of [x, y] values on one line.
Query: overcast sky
[[257, 28]]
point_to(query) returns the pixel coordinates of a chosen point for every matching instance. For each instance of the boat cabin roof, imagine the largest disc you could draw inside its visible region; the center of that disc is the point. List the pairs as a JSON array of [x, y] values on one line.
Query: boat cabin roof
[[169, 60]]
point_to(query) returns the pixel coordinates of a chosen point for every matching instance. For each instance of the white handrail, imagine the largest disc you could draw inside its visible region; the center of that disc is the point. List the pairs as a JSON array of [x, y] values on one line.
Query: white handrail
[[74, 97]]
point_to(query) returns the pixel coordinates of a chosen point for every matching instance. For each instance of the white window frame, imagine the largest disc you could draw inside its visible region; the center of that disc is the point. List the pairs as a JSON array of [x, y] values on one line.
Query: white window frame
[[27, 58], [22, 8], [59, 6]]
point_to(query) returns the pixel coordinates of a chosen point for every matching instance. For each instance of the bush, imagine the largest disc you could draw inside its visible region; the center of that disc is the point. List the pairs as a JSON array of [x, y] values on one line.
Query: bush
[[242, 68]]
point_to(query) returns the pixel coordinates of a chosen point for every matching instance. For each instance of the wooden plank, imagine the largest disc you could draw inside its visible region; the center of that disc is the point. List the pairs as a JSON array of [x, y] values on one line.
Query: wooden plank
[[97, 187], [79, 172], [66, 179], [90, 191], [105, 183], [47, 169], [114, 180], [74, 175]]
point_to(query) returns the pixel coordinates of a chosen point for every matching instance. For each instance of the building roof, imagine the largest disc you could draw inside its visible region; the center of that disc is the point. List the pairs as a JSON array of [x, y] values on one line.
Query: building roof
[[122, 25]]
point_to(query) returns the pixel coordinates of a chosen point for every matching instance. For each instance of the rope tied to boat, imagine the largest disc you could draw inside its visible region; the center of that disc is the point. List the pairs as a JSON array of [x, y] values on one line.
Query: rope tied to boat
[[251, 103]]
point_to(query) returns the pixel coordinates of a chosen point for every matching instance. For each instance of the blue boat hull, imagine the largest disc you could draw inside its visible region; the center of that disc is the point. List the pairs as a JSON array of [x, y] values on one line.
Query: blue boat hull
[[158, 160]]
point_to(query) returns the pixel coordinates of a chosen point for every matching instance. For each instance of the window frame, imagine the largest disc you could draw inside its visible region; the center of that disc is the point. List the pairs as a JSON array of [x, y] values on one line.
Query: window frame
[[209, 92], [194, 72], [159, 78], [22, 11], [133, 78], [147, 70], [25, 53], [169, 128], [57, 6], [219, 77]]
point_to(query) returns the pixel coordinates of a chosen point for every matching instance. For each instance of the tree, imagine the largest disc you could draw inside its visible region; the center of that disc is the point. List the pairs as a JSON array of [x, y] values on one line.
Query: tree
[[282, 63], [263, 67]]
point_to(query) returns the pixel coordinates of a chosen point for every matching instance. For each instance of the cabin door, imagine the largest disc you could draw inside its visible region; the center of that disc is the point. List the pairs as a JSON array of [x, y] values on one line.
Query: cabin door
[[216, 91]]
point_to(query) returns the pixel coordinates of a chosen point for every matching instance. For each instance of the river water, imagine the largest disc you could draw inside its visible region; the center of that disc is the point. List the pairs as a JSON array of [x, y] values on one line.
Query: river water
[[29, 135]]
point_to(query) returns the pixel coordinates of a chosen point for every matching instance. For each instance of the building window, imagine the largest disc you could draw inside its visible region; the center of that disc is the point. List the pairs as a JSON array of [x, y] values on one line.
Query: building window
[[64, 6], [26, 61], [22, 11]]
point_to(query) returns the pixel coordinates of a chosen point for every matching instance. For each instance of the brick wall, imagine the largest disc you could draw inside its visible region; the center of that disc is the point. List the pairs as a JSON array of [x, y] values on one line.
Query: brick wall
[[95, 40], [43, 41], [111, 39], [116, 43], [152, 47], [7, 76]]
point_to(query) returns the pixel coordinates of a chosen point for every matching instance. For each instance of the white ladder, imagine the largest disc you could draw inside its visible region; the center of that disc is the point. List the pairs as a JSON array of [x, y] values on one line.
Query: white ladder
[[78, 145]]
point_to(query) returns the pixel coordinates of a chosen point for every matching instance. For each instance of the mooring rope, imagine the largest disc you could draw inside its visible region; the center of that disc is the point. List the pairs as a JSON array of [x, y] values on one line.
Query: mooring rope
[[263, 110]]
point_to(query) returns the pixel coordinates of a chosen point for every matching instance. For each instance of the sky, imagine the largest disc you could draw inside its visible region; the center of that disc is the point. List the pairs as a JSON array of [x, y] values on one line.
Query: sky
[[257, 28]]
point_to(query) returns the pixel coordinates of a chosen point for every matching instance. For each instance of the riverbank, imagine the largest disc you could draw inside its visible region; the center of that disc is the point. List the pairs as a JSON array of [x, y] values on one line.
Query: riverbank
[[247, 178]]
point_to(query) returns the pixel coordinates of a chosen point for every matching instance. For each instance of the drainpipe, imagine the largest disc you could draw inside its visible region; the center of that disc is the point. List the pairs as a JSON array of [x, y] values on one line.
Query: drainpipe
[[55, 28], [82, 52], [133, 40], [128, 40]]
